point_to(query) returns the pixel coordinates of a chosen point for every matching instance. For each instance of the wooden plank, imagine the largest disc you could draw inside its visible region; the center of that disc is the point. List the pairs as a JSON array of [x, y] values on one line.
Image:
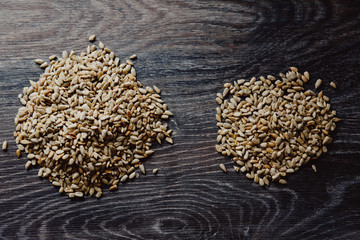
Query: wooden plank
[[189, 50]]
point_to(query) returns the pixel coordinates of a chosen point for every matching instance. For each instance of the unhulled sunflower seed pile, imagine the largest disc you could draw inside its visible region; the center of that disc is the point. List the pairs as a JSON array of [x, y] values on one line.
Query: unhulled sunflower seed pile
[[271, 127], [88, 121]]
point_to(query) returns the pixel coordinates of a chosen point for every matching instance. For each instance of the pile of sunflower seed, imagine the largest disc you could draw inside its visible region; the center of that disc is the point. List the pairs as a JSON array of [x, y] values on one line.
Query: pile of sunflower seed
[[270, 127], [88, 122]]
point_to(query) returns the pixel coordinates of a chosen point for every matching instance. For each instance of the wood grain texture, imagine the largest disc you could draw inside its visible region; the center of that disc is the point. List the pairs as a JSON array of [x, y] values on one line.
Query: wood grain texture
[[189, 49]]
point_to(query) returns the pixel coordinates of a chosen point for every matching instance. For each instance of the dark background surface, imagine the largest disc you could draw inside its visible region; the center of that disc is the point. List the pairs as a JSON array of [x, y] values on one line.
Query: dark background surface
[[189, 49]]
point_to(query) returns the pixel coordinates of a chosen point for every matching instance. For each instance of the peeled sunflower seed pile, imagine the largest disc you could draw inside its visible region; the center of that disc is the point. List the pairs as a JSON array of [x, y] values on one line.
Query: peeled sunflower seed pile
[[271, 127], [88, 121]]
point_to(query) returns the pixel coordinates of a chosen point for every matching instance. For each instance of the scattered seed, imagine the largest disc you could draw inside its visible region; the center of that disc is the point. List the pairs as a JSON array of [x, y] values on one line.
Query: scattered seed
[[155, 171], [282, 181], [101, 45], [314, 168], [333, 85], [132, 57], [39, 61], [18, 153], [318, 83], [92, 38], [4, 145], [222, 166]]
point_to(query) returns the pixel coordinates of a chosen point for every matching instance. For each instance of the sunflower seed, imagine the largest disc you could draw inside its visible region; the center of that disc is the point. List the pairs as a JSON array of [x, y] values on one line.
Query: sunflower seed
[[56, 184], [52, 57], [318, 83], [39, 61], [79, 194], [40, 172], [44, 65], [4, 145], [142, 169], [157, 90], [132, 175], [282, 181], [169, 140], [222, 166], [18, 153], [92, 38], [28, 164], [294, 69], [98, 194], [101, 45], [307, 75], [124, 178]]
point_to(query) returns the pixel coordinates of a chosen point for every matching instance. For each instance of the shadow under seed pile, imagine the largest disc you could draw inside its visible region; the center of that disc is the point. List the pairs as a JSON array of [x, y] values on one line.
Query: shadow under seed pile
[[88, 121]]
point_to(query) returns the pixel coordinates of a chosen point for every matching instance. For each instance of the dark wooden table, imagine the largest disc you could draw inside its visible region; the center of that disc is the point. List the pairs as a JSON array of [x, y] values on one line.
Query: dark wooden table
[[189, 49]]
